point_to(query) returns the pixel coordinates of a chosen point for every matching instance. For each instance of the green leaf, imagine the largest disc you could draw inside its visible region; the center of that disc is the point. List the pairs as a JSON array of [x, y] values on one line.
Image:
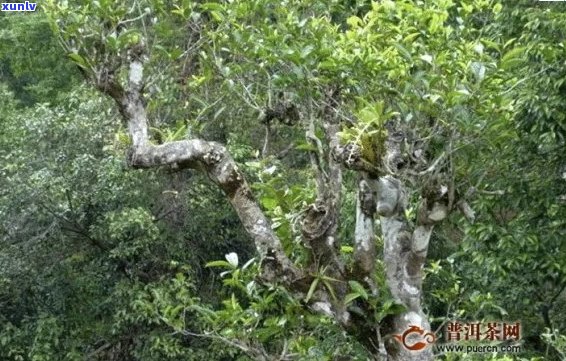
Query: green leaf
[[314, 284], [490, 44], [350, 297], [217, 16], [179, 11], [269, 203], [346, 249], [497, 8], [514, 53], [219, 263], [354, 21], [390, 308], [79, 60], [306, 51], [329, 287], [212, 7], [179, 133], [509, 42], [411, 37], [359, 289], [403, 51], [513, 57]]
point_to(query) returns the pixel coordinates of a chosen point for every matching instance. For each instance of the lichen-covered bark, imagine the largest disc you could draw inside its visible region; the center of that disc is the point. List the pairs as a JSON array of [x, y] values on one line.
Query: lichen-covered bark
[[404, 256], [365, 251]]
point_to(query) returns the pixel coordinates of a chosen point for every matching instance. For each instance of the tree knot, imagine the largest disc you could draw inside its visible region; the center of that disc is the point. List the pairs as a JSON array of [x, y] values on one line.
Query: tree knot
[[316, 222], [212, 157]]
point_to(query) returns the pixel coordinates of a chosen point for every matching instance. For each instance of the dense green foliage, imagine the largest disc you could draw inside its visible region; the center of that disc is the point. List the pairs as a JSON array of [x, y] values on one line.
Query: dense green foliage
[[102, 262]]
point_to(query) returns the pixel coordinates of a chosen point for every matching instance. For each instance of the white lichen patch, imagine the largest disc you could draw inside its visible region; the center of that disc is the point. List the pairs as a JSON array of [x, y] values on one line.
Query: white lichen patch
[[438, 212], [412, 290], [421, 237], [413, 318], [323, 307], [345, 318], [330, 241], [259, 228], [391, 228], [136, 72]]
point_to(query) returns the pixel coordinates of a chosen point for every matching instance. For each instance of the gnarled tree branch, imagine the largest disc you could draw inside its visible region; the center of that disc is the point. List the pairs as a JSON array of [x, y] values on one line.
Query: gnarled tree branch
[[211, 157], [320, 224]]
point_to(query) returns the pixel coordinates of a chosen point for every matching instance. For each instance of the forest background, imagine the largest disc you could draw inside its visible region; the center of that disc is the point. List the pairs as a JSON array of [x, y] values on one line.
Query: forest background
[[455, 108]]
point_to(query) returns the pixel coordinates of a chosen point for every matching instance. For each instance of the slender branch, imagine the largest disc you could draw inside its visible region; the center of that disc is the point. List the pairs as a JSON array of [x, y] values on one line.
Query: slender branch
[[429, 169], [248, 100], [70, 226], [123, 22], [523, 80], [237, 344], [265, 148], [498, 192], [283, 153], [466, 210], [98, 350]]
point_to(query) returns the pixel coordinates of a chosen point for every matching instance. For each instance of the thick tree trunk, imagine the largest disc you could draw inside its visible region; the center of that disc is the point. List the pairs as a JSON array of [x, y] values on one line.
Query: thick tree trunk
[[409, 337]]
